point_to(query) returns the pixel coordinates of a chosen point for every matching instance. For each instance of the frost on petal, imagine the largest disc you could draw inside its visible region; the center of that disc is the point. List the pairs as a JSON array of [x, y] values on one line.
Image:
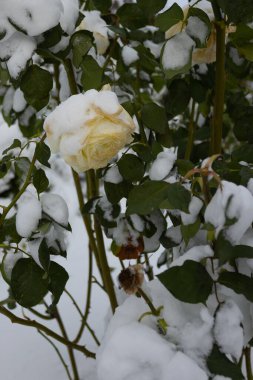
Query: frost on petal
[[56, 208], [228, 330], [28, 215]]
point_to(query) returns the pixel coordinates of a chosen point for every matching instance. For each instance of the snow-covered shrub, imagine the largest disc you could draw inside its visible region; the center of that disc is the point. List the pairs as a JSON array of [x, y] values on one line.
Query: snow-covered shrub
[[150, 107]]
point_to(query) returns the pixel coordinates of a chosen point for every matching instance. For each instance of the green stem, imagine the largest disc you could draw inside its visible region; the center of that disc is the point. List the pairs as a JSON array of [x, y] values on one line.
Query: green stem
[[24, 322], [23, 188], [191, 133], [108, 283], [148, 301], [88, 301], [219, 91], [71, 76], [86, 219], [247, 352]]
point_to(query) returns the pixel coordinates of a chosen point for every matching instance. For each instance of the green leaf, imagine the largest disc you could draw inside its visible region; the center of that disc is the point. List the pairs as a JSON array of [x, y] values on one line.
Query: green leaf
[[225, 251], [202, 16], [16, 144], [147, 197], [28, 283], [189, 230], [131, 16], [151, 7], [143, 151], [189, 283], [92, 73], [40, 181], [115, 192], [237, 11], [81, 43], [167, 19], [22, 165], [51, 37], [43, 153], [152, 195], [8, 229], [36, 85], [177, 198], [102, 5], [219, 364], [131, 167], [58, 278], [44, 255], [178, 97], [179, 46], [238, 282], [154, 117]]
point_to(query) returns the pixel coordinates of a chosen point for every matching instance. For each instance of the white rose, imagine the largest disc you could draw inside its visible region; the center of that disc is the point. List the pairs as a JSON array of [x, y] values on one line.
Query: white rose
[[95, 24], [89, 129]]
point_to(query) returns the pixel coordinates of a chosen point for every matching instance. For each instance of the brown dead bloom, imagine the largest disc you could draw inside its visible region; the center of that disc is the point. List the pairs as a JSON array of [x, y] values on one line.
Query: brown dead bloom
[[131, 278]]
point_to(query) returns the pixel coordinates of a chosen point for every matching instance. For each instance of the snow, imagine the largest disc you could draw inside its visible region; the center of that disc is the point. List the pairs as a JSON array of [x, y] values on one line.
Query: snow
[[69, 15], [28, 215], [177, 51], [234, 55], [19, 102], [196, 28], [107, 101], [17, 50], [113, 175], [129, 55], [151, 244], [56, 208], [153, 47], [196, 254], [194, 208], [9, 261], [163, 164], [218, 377], [95, 24], [228, 331], [232, 201]]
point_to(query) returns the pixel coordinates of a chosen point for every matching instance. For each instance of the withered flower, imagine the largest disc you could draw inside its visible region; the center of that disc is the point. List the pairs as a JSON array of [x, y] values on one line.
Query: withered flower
[[131, 278]]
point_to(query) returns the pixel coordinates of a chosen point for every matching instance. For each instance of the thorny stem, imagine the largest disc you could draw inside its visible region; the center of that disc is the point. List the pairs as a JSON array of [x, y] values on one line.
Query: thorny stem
[[69, 348], [23, 188], [149, 269], [58, 353], [191, 132], [14, 319], [81, 315], [219, 91], [88, 300]]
